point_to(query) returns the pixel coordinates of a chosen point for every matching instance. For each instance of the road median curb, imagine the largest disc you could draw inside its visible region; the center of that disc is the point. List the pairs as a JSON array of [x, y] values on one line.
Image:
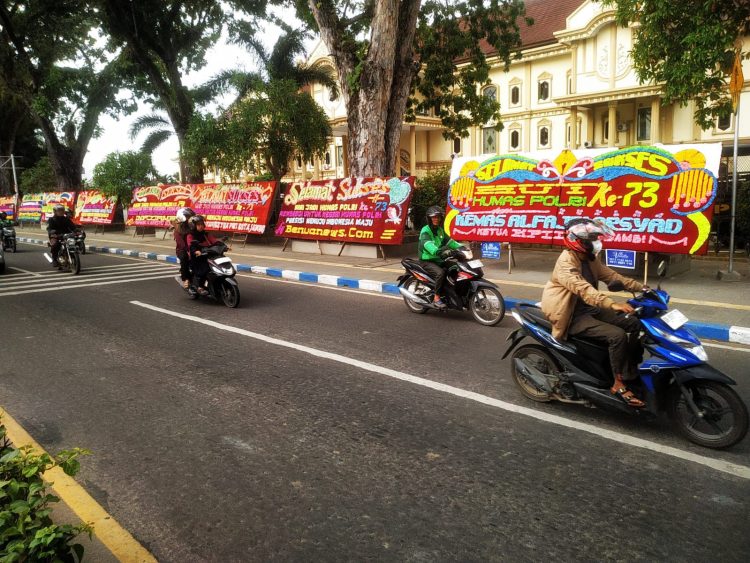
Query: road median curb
[[723, 333]]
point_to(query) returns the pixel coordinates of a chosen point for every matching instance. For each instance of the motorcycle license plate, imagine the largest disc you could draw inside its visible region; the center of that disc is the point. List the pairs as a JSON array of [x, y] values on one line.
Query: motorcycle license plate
[[475, 264], [674, 319]]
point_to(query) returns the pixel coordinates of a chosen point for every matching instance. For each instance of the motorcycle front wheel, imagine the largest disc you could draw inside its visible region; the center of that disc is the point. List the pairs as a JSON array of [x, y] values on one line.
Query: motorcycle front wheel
[[487, 306], [75, 263], [230, 294], [723, 421], [536, 357], [81, 247], [416, 287]]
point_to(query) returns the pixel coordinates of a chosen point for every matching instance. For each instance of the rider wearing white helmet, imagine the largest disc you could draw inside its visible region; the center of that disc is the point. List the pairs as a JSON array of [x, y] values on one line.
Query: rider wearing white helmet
[[181, 230]]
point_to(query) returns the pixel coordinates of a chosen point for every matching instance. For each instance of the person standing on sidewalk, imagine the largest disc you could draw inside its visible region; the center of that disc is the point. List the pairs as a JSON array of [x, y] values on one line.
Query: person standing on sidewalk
[[434, 242], [574, 305]]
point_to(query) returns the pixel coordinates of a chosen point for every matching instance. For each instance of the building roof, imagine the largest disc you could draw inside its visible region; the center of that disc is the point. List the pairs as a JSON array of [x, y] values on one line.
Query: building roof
[[549, 16]]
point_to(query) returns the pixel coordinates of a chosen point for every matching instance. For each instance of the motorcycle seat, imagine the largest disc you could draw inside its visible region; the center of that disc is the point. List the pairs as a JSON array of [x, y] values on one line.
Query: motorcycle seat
[[534, 314], [415, 265]]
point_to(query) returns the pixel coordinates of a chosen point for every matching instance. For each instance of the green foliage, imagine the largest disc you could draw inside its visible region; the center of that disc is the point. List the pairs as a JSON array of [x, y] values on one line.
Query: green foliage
[[38, 178], [120, 172], [431, 189], [450, 32], [688, 47], [27, 532], [261, 132]]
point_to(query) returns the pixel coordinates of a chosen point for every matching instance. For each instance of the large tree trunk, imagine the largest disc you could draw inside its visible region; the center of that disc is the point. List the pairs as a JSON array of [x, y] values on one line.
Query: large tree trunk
[[7, 146], [376, 103]]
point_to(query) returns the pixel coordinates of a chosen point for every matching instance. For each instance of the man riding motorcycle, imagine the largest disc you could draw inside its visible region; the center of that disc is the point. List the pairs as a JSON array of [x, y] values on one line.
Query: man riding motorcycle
[[58, 225], [434, 246], [574, 305]]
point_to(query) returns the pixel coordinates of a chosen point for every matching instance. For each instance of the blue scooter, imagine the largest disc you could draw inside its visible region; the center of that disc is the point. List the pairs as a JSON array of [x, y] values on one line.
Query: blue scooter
[[675, 378]]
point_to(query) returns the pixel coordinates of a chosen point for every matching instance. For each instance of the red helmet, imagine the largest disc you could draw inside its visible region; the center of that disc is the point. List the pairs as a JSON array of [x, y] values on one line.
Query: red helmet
[[580, 233]]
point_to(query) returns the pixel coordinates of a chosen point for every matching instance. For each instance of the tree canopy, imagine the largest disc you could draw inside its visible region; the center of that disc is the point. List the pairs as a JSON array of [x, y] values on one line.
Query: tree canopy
[[120, 172], [687, 46], [393, 53]]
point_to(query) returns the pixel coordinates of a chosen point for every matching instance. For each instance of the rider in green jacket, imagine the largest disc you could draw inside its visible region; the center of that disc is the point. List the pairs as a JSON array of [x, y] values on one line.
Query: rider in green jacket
[[434, 246]]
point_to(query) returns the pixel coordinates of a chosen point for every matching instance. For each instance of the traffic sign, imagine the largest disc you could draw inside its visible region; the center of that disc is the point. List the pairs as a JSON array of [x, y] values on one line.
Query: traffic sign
[[736, 81]]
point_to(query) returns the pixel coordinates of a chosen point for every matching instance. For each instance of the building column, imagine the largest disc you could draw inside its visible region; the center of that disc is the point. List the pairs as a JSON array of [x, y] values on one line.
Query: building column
[[655, 120], [612, 133], [345, 153], [413, 150], [573, 68], [316, 168], [573, 128]]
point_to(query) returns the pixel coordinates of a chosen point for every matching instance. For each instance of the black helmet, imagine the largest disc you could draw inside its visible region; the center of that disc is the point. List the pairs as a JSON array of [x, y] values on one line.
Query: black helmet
[[435, 211], [3, 215], [58, 207], [196, 220]]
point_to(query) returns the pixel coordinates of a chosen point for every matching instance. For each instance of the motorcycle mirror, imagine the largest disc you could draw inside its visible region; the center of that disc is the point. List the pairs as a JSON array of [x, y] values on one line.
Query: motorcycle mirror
[[616, 285], [661, 269]]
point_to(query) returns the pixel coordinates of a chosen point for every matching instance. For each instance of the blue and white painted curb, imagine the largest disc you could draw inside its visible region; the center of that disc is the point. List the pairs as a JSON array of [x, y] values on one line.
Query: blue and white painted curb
[[738, 334]]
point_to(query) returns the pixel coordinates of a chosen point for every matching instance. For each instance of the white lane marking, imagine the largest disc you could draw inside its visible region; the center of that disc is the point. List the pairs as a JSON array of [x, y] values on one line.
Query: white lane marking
[[61, 288], [717, 464], [314, 285], [724, 347], [28, 272], [68, 279]]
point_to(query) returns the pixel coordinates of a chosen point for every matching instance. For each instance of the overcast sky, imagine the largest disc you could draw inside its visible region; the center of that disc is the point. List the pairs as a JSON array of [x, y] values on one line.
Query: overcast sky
[[115, 136]]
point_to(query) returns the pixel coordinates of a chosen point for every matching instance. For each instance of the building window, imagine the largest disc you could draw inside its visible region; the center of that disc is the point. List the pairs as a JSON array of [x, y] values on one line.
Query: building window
[[490, 92], [544, 137], [515, 95], [515, 139], [327, 163], [339, 155], [489, 140], [569, 83], [724, 123], [543, 91], [644, 124], [299, 163], [457, 145]]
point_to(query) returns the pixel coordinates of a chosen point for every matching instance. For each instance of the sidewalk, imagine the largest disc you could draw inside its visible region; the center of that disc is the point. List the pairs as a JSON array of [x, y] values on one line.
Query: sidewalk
[[718, 310]]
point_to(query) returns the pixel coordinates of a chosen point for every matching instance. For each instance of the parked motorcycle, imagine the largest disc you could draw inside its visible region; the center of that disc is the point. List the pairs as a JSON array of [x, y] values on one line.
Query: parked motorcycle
[[68, 258], [220, 282], [9, 238], [676, 378], [464, 288]]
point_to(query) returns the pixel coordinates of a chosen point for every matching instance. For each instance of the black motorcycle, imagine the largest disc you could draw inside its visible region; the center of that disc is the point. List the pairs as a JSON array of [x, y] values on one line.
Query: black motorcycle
[[220, 283], [80, 236], [464, 288], [9, 238], [68, 258]]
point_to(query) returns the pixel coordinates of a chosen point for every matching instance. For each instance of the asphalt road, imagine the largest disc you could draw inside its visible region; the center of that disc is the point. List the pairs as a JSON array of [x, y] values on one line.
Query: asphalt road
[[290, 429]]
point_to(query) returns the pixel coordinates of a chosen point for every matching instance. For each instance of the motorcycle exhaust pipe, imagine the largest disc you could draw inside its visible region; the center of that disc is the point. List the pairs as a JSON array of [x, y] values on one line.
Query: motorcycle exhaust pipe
[[412, 297], [48, 257], [533, 376]]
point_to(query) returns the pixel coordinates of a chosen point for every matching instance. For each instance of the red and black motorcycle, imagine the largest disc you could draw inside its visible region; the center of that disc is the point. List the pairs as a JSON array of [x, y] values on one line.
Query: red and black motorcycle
[[464, 288]]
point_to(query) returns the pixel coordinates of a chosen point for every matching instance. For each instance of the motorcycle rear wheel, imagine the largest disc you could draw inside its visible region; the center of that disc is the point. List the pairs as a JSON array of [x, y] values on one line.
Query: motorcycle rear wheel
[[417, 288], [718, 402], [81, 247], [487, 306], [539, 358], [230, 294]]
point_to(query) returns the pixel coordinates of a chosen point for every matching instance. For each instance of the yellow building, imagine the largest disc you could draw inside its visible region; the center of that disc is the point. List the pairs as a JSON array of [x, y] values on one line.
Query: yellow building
[[574, 86]]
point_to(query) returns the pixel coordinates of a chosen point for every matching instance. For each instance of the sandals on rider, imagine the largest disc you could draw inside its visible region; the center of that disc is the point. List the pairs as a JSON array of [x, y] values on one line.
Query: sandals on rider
[[627, 397]]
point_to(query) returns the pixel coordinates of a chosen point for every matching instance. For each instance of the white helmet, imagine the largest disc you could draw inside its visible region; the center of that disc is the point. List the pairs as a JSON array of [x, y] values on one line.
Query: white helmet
[[184, 214]]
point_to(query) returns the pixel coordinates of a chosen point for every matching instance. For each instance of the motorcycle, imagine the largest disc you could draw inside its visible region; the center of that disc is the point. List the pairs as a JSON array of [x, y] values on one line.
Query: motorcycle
[[464, 288], [68, 257], [220, 283], [9, 239], [80, 236], [676, 378]]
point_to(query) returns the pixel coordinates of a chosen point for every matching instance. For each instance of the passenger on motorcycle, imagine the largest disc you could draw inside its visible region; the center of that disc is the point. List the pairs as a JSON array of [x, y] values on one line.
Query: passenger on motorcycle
[[4, 221], [198, 240], [181, 231], [58, 225], [434, 246], [574, 305]]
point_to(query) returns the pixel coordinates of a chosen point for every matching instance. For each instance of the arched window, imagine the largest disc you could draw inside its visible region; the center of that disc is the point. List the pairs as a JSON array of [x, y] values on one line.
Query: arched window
[[515, 95], [490, 92], [457, 145], [489, 140], [724, 123], [544, 136], [515, 139], [543, 92]]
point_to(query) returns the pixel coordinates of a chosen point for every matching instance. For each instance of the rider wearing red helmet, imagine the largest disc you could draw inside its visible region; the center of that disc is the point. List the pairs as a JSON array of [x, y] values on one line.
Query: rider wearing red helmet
[[574, 305]]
